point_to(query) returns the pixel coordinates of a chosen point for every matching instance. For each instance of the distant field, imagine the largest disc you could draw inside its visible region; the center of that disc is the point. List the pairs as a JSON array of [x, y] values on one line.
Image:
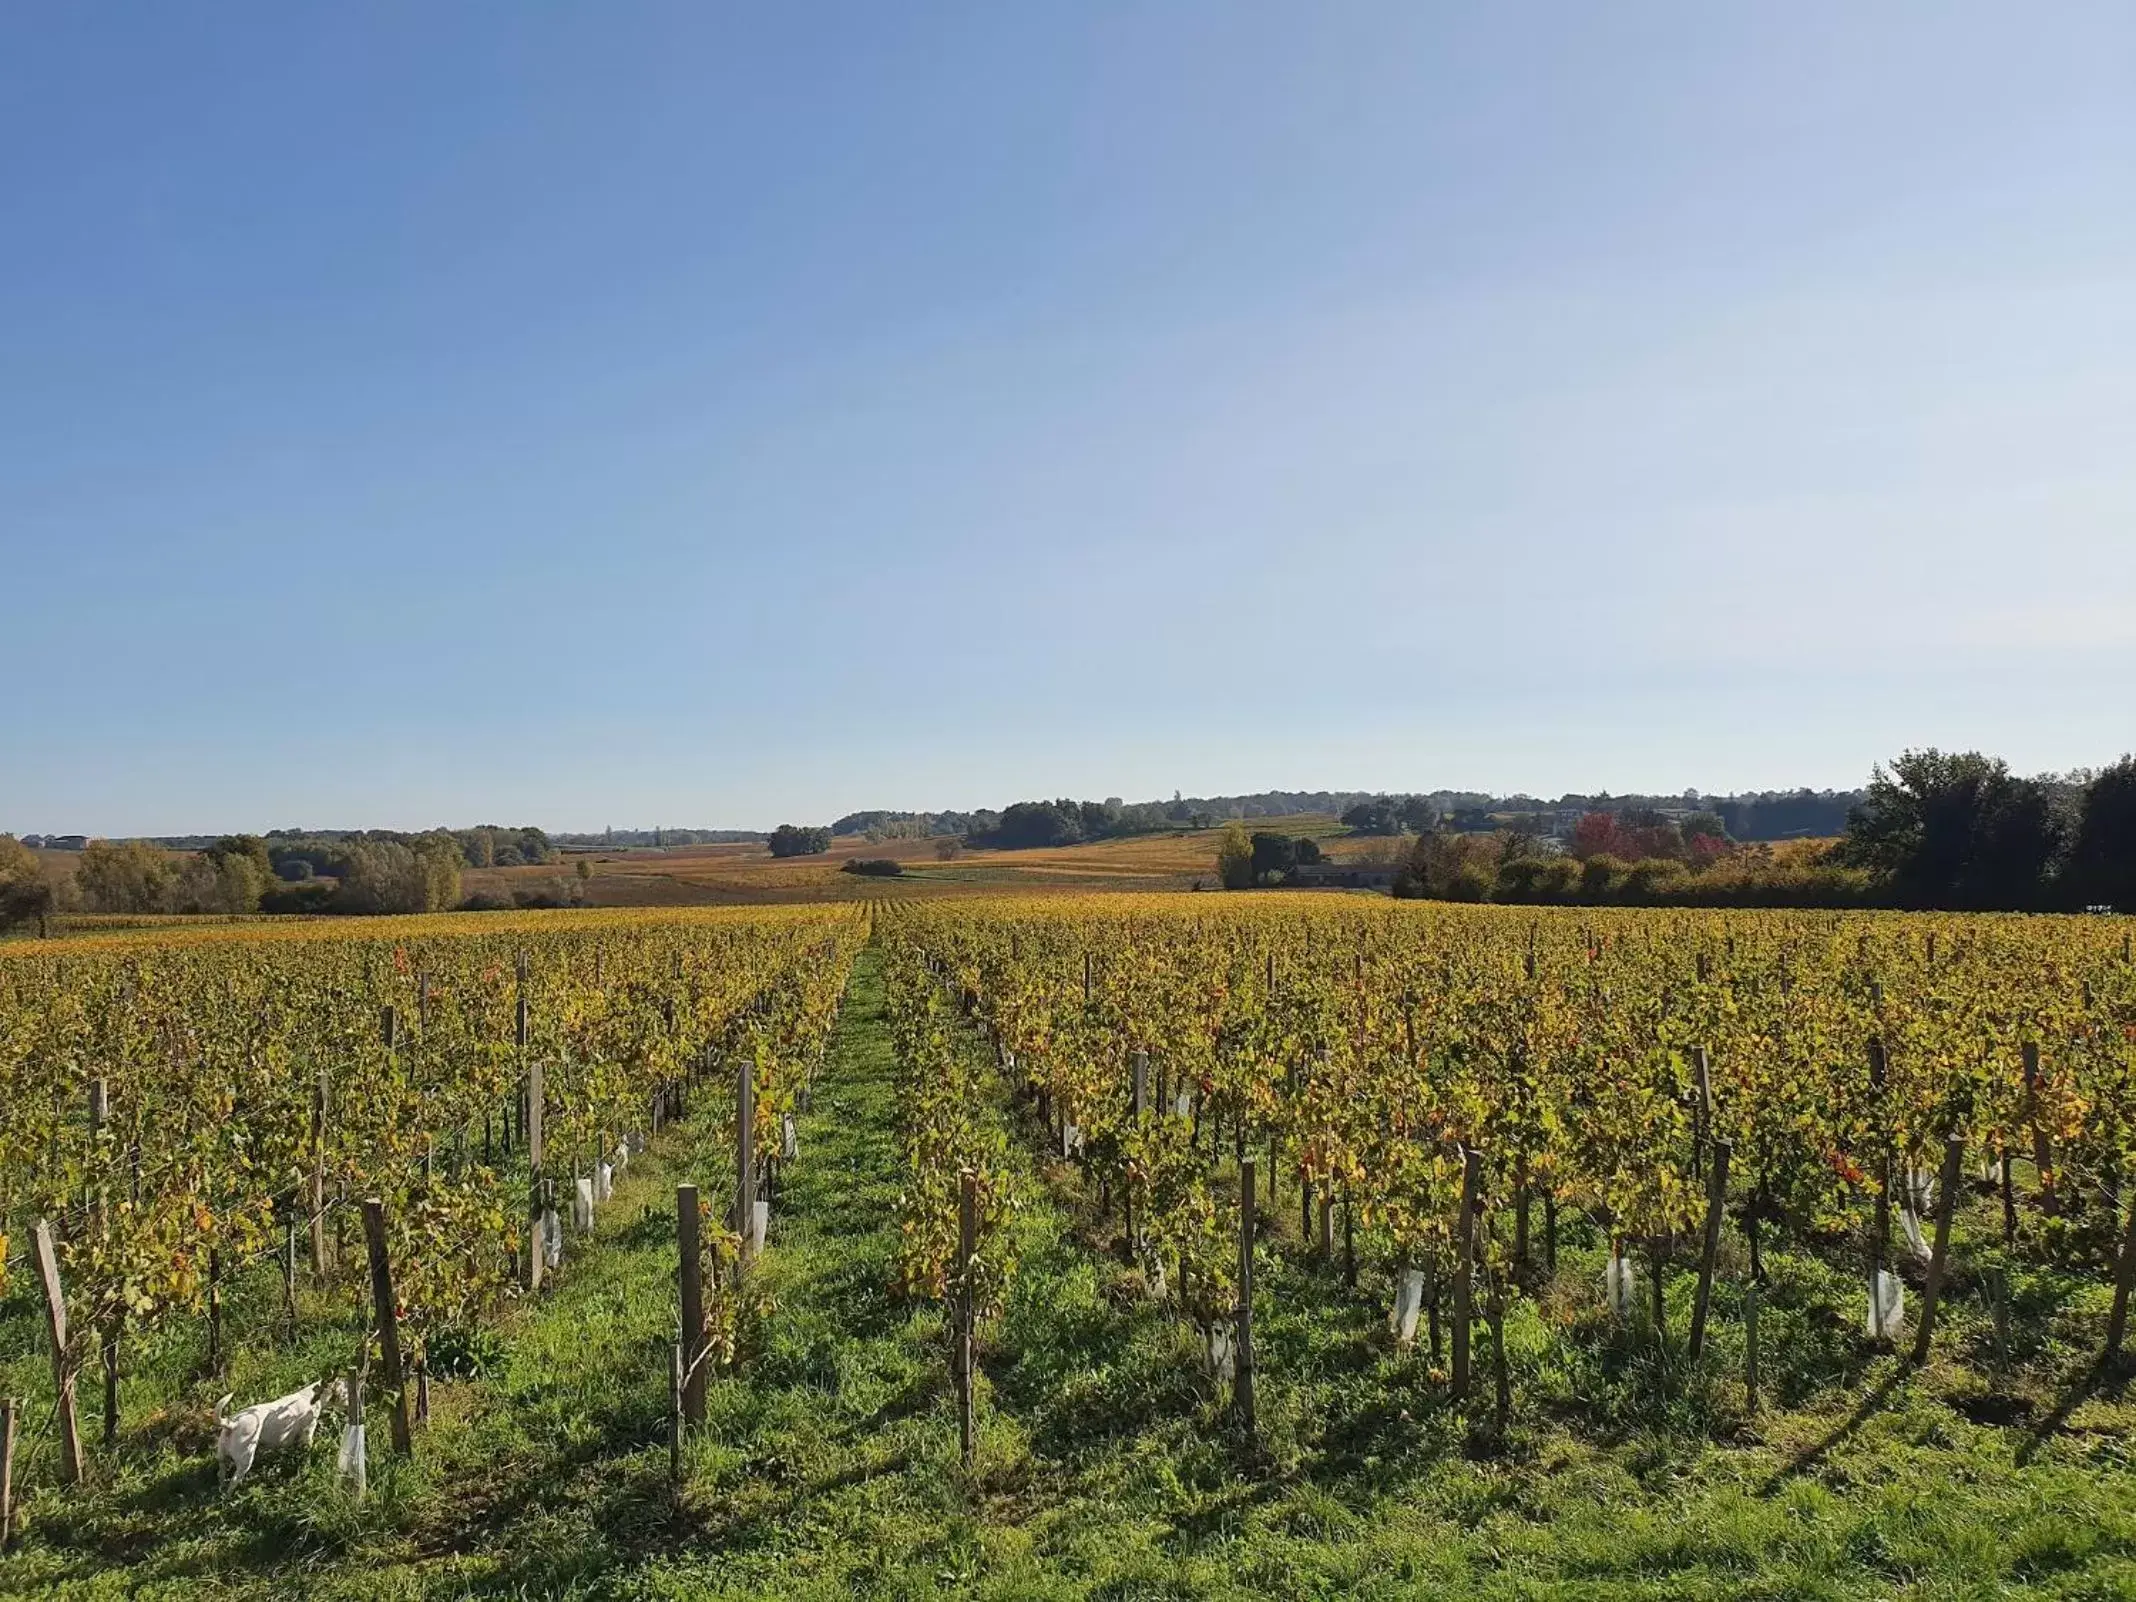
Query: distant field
[[746, 873]]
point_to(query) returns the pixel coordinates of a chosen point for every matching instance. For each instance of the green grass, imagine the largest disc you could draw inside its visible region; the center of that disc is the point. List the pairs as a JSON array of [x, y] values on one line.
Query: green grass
[[1106, 1467]]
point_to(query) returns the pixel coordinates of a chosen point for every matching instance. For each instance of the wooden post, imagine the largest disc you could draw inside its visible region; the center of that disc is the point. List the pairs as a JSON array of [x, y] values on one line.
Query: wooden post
[[214, 1310], [318, 1184], [2117, 1321], [109, 1346], [690, 1285], [361, 1479], [1520, 1220], [1141, 1094], [530, 1123], [1946, 1204], [1501, 1376], [2042, 1147], [7, 1470], [289, 1274], [385, 1311], [537, 1098], [2009, 1199], [745, 1188], [1750, 1344], [70, 1435], [99, 1110], [676, 1383], [1880, 1226], [1702, 1125], [1242, 1358], [1464, 1266], [967, 1306], [1716, 1206]]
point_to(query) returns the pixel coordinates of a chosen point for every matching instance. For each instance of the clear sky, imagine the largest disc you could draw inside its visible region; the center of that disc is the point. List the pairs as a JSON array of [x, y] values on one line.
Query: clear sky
[[717, 415]]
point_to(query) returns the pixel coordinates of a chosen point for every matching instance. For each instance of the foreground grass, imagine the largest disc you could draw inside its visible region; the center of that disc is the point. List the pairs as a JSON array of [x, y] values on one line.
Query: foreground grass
[[828, 1467]]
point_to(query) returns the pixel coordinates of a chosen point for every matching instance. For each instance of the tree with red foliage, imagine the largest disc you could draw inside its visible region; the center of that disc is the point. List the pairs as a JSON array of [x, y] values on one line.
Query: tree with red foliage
[[1597, 835]]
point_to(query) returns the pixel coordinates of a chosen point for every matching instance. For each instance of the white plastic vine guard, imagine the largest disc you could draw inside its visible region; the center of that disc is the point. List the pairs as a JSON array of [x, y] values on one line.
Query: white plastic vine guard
[[789, 1138], [1222, 1349], [604, 1182], [1617, 1282], [1408, 1305], [759, 1221], [1916, 1242], [349, 1461], [1183, 1104], [552, 1239], [582, 1205], [1071, 1139], [1917, 1202], [1887, 1306]]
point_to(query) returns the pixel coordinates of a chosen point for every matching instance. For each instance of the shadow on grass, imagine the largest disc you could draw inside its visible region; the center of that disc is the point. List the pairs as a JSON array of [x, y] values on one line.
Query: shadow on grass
[[2104, 1376], [1815, 1456]]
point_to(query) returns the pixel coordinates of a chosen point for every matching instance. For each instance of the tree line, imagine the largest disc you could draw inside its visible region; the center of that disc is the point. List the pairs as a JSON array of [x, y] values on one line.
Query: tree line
[[1934, 830], [287, 871], [1960, 830]]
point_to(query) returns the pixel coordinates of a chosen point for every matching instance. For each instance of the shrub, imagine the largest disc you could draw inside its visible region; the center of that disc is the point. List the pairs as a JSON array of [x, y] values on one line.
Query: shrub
[[135, 877], [1600, 877], [1654, 881], [1273, 854], [793, 840], [873, 867], [1468, 882], [313, 895], [24, 896]]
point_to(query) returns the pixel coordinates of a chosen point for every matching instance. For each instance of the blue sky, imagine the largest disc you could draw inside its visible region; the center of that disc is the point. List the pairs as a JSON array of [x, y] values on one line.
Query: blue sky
[[719, 415]]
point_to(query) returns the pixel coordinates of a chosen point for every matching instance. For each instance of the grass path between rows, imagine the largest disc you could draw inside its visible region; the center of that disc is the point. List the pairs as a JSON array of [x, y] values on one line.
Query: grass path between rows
[[1106, 1467]]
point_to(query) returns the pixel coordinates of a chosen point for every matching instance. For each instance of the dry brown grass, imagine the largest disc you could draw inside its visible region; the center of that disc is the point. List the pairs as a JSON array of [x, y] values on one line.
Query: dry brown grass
[[745, 874]]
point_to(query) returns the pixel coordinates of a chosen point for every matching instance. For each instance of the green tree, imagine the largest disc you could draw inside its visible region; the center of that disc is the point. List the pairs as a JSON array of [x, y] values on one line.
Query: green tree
[[382, 876], [249, 847], [794, 840], [130, 877], [1374, 817], [1958, 829], [2102, 861], [1234, 857], [1274, 855], [25, 897], [230, 882]]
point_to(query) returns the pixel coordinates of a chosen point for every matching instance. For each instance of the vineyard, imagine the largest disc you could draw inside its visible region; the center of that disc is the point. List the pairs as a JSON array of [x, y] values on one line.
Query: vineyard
[[1175, 1244], [420, 1109], [1457, 1092]]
